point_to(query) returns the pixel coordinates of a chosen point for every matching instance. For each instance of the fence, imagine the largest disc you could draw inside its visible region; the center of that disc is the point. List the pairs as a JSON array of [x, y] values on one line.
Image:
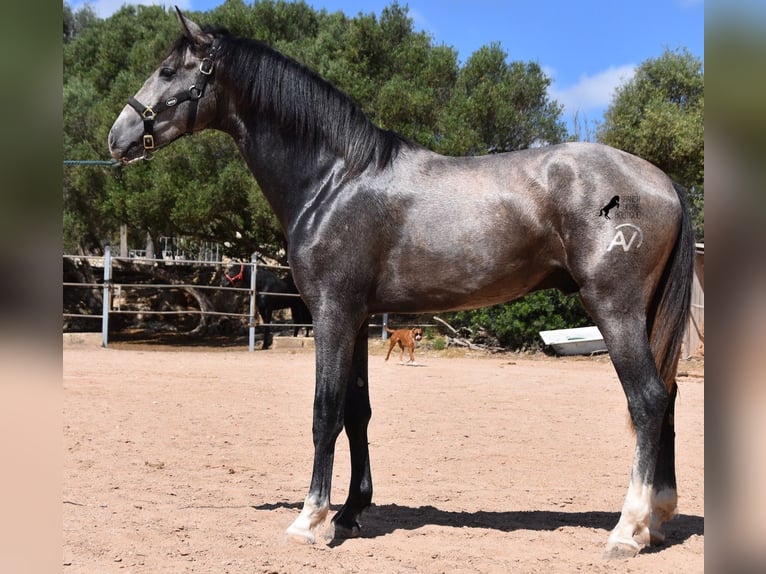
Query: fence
[[694, 339], [109, 288]]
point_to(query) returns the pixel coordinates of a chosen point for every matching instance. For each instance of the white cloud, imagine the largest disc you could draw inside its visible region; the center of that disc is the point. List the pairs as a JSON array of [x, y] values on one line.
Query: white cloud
[[105, 8], [419, 20], [590, 92]]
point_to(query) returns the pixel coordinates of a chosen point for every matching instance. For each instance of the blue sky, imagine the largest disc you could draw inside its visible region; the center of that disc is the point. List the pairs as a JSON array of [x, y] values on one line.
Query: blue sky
[[587, 47]]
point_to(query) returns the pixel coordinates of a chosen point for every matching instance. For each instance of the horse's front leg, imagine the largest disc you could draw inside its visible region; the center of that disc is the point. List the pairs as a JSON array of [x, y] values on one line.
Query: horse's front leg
[[357, 418], [334, 341]]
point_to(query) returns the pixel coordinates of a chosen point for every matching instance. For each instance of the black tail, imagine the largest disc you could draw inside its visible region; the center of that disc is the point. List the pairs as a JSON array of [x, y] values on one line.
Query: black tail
[[669, 315]]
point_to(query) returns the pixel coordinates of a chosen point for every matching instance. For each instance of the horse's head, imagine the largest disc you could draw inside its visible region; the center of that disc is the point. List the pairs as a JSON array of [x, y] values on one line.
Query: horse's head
[[177, 99], [235, 275]]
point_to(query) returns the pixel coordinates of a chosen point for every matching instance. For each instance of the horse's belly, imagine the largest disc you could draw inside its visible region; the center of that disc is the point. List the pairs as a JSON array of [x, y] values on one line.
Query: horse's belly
[[452, 288]]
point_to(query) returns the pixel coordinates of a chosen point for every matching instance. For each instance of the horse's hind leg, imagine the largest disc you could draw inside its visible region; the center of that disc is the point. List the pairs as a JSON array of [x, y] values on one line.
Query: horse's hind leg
[[268, 339], [356, 420], [664, 494], [625, 335]]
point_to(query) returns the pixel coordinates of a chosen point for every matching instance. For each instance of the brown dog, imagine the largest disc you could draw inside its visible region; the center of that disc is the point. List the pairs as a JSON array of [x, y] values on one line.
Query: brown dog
[[406, 339]]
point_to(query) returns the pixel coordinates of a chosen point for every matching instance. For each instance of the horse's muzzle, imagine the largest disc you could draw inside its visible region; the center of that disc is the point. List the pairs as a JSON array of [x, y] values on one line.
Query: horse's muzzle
[[129, 153]]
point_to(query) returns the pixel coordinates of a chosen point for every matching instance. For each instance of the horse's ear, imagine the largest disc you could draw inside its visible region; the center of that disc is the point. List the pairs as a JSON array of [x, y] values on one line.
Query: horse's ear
[[193, 32]]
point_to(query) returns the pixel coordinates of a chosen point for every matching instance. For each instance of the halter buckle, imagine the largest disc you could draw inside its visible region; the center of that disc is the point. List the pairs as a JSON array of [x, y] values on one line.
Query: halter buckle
[[206, 66], [195, 93], [148, 141]]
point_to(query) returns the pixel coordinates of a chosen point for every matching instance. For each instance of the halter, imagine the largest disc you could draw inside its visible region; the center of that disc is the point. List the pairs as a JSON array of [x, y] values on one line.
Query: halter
[[193, 94], [238, 277]]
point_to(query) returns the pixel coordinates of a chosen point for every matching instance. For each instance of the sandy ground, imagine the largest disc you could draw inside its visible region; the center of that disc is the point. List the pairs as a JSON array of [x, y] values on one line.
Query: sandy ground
[[196, 460]]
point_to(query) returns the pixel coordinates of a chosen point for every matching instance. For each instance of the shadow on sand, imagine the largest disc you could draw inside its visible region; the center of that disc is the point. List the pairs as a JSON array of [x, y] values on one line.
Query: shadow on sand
[[379, 520]]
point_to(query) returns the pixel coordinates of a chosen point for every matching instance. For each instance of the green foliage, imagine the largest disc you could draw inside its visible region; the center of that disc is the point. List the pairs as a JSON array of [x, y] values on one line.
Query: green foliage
[[517, 325], [499, 106], [659, 115], [437, 344], [76, 23]]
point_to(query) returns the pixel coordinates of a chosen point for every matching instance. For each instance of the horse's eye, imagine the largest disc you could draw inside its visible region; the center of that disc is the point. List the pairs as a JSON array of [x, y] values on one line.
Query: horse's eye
[[167, 72]]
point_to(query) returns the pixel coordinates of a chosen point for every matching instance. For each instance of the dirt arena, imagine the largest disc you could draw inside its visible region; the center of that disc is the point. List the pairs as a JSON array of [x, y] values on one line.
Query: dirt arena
[[197, 459]]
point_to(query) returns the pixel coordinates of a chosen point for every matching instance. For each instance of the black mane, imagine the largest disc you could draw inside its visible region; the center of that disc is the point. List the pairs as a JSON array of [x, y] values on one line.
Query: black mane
[[303, 104]]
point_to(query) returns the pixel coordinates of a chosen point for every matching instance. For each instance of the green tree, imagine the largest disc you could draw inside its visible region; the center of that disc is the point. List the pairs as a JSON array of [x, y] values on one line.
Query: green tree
[[499, 106], [106, 60], [76, 22], [659, 115], [396, 75]]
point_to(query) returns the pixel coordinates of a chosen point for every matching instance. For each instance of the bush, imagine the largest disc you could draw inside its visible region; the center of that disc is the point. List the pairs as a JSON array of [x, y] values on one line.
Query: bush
[[517, 325], [438, 343]]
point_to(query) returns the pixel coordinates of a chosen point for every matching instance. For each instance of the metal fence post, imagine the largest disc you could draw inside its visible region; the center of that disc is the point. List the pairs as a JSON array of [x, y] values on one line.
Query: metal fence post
[[251, 321], [107, 297], [383, 332]]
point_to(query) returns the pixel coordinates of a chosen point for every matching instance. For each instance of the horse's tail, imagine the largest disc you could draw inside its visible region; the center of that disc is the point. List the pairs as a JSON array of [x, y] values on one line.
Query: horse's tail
[[669, 314], [389, 330]]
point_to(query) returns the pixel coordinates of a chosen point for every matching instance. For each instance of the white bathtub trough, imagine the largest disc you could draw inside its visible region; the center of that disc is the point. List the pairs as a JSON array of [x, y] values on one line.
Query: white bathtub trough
[[579, 341]]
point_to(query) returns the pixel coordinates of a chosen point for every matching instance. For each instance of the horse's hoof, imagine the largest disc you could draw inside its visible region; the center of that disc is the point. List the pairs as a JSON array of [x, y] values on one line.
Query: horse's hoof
[[620, 550], [656, 537], [300, 535], [341, 532]]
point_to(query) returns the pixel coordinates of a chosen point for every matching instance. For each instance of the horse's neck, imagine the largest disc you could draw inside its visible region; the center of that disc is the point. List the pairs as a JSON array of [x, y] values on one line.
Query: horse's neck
[[289, 176]]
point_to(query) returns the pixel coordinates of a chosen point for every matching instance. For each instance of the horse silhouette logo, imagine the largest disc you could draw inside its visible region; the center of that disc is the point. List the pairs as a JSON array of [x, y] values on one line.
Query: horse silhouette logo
[[613, 203]]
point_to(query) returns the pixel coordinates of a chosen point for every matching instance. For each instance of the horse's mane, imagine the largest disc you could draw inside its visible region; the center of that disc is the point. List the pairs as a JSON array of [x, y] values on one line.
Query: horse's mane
[[302, 103]]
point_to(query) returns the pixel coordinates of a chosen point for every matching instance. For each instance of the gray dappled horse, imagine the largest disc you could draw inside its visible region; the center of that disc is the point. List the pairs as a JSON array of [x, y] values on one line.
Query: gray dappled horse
[[378, 224]]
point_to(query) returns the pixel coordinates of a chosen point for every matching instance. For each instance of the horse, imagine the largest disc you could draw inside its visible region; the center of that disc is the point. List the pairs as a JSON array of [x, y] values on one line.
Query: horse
[[271, 294], [378, 224]]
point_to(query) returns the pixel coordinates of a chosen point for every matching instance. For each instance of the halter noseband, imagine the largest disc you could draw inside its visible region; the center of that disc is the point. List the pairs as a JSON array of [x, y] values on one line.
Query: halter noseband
[[238, 277], [193, 94]]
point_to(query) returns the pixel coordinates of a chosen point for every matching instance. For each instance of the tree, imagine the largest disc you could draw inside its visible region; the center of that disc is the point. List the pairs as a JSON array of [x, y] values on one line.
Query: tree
[[659, 115], [499, 106], [396, 75], [77, 22], [103, 62]]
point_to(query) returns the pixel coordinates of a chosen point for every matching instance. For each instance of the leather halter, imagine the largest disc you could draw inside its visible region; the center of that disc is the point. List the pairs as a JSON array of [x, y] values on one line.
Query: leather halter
[[193, 94]]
